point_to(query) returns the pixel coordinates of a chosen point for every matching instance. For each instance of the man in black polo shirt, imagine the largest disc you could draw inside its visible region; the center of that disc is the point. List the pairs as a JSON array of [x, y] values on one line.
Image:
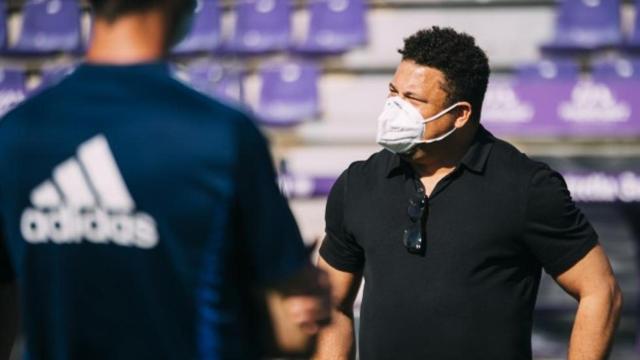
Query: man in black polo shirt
[[451, 227]]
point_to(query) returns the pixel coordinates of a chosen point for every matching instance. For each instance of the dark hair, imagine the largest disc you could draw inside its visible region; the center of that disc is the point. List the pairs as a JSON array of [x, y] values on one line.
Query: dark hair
[[111, 10], [464, 65]]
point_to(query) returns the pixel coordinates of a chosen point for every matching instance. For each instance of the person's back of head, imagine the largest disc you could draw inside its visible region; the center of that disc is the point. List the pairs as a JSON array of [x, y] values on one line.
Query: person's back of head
[[111, 10], [175, 15]]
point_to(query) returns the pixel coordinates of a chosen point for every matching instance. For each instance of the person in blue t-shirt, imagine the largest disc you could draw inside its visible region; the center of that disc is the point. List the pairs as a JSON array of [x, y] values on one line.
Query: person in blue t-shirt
[[142, 220]]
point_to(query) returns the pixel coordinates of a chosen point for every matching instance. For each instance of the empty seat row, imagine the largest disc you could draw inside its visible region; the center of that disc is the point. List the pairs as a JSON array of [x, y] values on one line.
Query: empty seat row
[[48, 26], [585, 25], [261, 26], [553, 98], [288, 94], [550, 98]]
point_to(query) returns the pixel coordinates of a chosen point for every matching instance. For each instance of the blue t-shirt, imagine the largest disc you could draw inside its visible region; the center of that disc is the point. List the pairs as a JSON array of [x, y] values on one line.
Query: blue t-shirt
[[138, 218]]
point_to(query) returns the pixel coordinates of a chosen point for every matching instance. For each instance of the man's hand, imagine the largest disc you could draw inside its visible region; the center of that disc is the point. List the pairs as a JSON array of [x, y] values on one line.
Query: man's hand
[[308, 300], [299, 308]]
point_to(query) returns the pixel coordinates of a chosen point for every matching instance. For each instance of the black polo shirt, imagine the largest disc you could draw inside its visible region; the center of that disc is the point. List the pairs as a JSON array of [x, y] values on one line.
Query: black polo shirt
[[491, 226]]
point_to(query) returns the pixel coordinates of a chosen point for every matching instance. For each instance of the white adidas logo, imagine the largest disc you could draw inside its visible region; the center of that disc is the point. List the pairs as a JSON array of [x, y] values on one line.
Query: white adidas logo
[[592, 103], [502, 105], [87, 200]]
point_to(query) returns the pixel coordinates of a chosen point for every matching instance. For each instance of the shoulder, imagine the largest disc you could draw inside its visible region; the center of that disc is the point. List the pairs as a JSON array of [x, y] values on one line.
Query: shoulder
[[376, 165], [363, 175], [514, 163], [206, 104]]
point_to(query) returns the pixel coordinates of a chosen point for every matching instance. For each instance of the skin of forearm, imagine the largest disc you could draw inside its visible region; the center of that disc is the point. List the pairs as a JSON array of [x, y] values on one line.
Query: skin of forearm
[[337, 341], [596, 321]]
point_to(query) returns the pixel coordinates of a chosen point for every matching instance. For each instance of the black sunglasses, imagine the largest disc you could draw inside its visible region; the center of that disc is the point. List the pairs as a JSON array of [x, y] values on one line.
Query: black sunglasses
[[412, 236]]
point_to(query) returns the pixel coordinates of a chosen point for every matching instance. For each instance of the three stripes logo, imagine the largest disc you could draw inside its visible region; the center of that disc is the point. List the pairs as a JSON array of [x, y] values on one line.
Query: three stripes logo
[[87, 200]]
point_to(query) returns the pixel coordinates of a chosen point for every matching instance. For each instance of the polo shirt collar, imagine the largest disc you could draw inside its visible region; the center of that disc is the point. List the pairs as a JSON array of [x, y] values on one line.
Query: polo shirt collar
[[475, 158]]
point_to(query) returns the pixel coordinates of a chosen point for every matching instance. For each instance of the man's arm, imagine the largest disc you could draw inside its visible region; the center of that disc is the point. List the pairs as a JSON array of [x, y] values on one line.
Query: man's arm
[[8, 319], [337, 341], [592, 283]]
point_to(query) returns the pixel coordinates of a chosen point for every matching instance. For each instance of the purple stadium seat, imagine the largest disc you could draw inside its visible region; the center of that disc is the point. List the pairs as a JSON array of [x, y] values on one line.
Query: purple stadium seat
[[543, 86], [548, 70], [51, 77], [216, 80], [606, 104], [50, 26], [335, 26], [633, 42], [261, 26], [3, 25], [520, 105], [303, 187], [12, 89], [205, 32], [619, 69], [586, 25], [504, 112], [569, 105], [289, 93]]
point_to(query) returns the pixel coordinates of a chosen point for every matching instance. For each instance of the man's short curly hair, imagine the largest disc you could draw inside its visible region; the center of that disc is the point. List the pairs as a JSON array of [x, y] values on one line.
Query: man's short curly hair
[[111, 10], [464, 65]]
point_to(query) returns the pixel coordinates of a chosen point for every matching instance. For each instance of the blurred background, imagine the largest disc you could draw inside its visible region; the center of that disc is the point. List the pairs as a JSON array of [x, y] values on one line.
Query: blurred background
[[565, 89]]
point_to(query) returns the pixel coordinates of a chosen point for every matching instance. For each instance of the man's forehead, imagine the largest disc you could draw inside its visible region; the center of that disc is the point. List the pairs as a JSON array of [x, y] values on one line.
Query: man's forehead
[[418, 77]]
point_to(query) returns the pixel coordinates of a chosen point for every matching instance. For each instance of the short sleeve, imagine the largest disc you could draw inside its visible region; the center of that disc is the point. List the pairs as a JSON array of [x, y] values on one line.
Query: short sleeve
[[268, 230], [555, 230], [339, 248]]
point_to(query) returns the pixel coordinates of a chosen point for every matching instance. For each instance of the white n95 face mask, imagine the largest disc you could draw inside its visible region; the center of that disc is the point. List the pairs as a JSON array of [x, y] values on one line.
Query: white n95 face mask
[[401, 126]]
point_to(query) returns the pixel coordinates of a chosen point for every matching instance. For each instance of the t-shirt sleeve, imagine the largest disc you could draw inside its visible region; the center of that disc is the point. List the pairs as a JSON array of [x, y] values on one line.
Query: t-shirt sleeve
[[339, 248], [555, 230], [268, 231]]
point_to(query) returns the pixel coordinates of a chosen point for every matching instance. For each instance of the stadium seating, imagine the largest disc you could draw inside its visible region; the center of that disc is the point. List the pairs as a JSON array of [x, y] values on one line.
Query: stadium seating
[[619, 69], [50, 77], [50, 26], [205, 35], [289, 93], [549, 69], [3, 25], [12, 89], [216, 80], [583, 25], [513, 104], [606, 103], [336, 26], [503, 111], [633, 41], [261, 26]]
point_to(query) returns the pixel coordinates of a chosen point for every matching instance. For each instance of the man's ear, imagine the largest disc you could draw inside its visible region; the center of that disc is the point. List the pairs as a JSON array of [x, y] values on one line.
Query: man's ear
[[463, 113]]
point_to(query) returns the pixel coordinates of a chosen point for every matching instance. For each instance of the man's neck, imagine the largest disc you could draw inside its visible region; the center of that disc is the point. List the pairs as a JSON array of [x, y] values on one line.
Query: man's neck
[[131, 39], [439, 159]]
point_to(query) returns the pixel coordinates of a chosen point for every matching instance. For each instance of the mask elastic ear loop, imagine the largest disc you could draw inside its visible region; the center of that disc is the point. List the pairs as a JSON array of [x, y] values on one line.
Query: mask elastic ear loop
[[439, 138], [440, 114], [435, 117]]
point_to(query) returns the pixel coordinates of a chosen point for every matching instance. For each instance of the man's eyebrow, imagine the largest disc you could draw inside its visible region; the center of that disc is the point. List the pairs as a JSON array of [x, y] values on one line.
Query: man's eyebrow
[[408, 94]]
